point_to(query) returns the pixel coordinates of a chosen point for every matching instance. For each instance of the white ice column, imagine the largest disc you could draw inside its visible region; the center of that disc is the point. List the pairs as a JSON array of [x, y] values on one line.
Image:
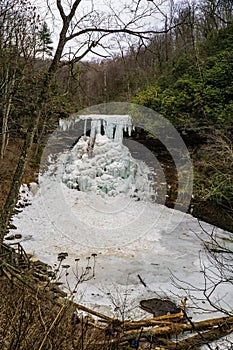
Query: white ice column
[[98, 126], [109, 129], [129, 129], [85, 127], [93, 128], [118, 137]]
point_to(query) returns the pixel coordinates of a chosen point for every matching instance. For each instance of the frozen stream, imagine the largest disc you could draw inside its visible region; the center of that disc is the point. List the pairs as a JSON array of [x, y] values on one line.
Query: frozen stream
[[103, 203]]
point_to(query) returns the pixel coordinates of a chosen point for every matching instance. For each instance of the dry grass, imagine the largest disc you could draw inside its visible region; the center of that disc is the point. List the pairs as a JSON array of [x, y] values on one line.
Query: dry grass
[[37, 321]]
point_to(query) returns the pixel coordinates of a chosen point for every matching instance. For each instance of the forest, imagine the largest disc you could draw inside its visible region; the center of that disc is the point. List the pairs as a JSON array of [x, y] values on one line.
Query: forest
[[182, 70], [184, 73]]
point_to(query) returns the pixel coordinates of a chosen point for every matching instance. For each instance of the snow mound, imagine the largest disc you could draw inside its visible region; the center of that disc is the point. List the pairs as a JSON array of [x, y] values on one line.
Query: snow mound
[[107, 168]]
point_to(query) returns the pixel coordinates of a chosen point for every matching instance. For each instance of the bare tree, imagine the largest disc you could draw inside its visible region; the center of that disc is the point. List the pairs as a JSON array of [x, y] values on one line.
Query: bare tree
[[215, 14], [17, 43], [85, 30]]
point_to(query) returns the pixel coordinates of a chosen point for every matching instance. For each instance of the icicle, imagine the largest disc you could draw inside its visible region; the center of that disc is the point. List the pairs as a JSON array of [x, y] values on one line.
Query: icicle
[[93, 129], [118, 137], [98, 126], [113, 125], [129, 129], [63, 124], [85, 127], [109, 130]]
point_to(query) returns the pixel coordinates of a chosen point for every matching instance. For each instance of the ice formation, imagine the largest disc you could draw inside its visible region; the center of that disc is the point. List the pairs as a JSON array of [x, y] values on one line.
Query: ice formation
[[113, 125], [101, 164]]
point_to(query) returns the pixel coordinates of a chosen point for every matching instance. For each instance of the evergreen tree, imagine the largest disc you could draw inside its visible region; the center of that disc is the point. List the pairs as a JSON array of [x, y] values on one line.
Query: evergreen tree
[[45, 40]]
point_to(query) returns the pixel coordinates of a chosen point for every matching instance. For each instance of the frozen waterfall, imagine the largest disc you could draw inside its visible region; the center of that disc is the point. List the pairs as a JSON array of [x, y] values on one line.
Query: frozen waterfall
[[101, 164], [113, 125]]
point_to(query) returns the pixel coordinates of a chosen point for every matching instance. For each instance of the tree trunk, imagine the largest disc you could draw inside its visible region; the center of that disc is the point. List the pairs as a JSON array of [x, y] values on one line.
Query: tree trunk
[[7, 100]]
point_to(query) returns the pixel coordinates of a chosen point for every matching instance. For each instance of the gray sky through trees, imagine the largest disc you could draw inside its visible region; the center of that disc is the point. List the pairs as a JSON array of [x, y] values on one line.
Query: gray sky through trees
[[111, 25]]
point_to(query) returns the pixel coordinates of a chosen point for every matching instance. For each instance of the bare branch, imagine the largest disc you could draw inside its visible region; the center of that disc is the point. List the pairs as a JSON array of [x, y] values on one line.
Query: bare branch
[[61, 10]]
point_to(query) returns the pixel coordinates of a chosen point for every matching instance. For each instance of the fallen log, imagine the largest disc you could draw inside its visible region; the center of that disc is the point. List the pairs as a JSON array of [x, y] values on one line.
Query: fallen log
[[198, 340], [154, 321], [93, 312], [217, 328], [197, 326]]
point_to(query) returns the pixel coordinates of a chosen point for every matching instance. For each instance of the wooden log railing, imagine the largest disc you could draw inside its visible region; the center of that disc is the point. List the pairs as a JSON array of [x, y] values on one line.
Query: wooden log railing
[[14, 254]]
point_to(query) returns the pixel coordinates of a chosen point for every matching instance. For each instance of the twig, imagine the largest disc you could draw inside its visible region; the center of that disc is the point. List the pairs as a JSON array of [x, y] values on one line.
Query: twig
[[142, 282]]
